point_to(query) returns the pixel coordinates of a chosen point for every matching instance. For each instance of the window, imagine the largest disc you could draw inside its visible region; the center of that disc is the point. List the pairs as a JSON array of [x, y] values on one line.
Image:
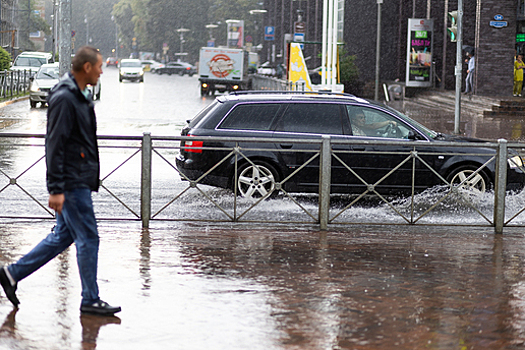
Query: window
[[371, 122], [314, 118], [251, 117]]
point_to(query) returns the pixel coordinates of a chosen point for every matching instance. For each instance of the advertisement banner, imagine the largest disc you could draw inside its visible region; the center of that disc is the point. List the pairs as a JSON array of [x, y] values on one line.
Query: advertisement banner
[[236, 34], [419, 68]]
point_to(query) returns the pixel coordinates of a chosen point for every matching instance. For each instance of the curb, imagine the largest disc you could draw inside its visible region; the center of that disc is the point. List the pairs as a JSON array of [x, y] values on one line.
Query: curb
[[7, 103]]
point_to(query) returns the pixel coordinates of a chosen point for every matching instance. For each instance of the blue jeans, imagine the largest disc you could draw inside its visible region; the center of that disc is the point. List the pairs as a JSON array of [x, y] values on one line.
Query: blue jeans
[[77, 224]]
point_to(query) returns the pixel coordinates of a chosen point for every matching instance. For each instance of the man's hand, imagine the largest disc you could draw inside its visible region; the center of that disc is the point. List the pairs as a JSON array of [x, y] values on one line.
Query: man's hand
[[56, 202]]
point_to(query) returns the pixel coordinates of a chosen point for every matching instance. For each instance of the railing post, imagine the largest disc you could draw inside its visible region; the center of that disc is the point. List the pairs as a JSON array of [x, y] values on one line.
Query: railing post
[[500, 186], [145, 184], [325, 174]]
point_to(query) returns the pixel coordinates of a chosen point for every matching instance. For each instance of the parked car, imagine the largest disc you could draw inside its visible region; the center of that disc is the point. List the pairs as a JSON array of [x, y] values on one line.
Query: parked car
[[180, 68], [95, 90], [288, 115], [131, 69], [31, 61], [151, 66], [112, 61], [46, 77]]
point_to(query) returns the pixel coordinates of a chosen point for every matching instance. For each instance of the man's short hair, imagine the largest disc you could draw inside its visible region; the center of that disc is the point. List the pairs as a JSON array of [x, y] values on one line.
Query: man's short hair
[[84, 54]]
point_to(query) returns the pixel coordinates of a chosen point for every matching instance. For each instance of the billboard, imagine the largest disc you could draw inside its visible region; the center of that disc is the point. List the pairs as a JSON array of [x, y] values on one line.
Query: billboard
[[419, 68]]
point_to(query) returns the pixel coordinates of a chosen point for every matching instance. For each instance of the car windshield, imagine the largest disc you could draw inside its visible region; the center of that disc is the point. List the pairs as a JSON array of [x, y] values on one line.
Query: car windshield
[[29, 61], [130, 64], [429, 132], [47, 73]]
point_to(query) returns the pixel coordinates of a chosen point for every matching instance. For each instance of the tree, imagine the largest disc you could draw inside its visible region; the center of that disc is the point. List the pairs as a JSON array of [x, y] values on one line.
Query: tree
[[30, 21], [349, 73], [5, 59]]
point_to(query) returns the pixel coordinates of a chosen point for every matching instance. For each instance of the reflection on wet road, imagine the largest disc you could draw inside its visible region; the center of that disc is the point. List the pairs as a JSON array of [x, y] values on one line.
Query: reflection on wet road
[[240, 287]]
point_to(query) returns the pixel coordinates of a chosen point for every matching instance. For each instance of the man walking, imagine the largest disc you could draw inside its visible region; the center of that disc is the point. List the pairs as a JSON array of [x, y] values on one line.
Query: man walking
[[73, 170]]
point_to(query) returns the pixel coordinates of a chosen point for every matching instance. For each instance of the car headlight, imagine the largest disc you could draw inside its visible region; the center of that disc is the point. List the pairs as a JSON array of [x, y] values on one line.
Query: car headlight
[[34, 87], [515, 162], [141, 72]]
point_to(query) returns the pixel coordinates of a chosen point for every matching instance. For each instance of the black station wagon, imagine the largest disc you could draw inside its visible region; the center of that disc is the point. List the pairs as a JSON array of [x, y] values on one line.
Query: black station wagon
[[350, 122]]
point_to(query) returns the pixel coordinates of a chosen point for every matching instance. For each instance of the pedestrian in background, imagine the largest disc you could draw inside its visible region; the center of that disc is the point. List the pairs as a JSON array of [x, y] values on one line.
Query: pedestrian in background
[[469, 81], [518, 75], [73, 171]]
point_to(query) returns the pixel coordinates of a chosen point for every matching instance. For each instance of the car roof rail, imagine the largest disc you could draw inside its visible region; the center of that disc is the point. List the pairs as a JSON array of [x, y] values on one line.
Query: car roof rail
[[290, 92]]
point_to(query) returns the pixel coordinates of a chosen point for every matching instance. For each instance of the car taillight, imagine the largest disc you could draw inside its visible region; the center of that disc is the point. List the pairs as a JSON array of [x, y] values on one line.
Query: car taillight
[[188, 68], [191, 146]]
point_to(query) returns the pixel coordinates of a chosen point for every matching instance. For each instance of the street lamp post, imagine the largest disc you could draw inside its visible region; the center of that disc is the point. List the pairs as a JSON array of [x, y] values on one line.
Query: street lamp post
[[181, 32], [210, 28], [258, 12], [116, 35]]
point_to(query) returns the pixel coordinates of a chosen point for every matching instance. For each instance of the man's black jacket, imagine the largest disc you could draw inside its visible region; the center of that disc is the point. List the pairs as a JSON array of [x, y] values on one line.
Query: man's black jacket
[[71, 140]]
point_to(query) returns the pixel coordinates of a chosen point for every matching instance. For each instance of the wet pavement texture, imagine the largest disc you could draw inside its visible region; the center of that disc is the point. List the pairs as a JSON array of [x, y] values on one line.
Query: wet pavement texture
[[205, 286], [252, 286]]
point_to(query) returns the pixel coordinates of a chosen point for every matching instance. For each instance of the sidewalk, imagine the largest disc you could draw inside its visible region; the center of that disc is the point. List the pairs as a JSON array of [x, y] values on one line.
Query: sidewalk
[[266, 287]]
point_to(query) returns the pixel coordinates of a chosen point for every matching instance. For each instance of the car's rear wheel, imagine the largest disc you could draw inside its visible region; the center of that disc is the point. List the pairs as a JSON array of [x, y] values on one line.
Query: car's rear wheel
[[257, 181], [479, 182]]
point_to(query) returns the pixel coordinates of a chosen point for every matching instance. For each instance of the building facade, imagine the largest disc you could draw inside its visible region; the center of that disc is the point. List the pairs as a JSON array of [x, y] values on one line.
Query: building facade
[[494, 45]]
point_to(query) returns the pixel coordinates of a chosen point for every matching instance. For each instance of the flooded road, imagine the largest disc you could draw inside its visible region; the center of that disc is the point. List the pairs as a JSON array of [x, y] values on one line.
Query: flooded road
[[193, 286], [243, 286]]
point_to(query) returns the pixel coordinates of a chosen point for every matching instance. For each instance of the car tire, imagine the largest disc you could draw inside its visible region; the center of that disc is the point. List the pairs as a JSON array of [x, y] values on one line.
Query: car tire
[[98, 94], [159, 72], [120, 79], [152, 70], [480, 182], [181, 73], [256, 181], [32, 103]]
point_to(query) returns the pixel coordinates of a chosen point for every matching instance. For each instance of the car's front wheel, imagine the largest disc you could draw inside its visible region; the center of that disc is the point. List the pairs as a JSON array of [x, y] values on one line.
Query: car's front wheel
[[478, 182], [257, 181], [32, 103]]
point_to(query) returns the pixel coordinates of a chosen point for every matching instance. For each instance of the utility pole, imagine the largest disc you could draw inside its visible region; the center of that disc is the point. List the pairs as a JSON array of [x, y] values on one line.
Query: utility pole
[[64, 45], [459, 49], [378, 50]]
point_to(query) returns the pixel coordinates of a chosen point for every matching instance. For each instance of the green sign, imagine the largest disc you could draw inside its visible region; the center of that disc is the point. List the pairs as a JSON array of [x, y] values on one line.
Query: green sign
[[421, 34], [520, 37]]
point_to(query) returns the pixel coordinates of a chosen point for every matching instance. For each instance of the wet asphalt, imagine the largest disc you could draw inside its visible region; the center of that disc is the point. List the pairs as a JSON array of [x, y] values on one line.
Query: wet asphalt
[[184, 285], [239, 286]]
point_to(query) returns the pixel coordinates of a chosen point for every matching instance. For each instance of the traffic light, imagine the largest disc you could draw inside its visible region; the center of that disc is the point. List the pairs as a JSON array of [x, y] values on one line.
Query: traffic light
[[453, 29]]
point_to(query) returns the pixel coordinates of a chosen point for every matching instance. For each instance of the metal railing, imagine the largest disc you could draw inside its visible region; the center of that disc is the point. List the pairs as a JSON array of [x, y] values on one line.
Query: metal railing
[[13, 83], [148, 152]]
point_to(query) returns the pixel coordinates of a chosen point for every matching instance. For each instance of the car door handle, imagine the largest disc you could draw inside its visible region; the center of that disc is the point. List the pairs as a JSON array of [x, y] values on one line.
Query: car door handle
[[286, 145], [358, 148]]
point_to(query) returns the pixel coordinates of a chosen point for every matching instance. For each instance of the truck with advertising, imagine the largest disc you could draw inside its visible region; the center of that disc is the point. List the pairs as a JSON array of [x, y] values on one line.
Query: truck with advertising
[[223, 69]]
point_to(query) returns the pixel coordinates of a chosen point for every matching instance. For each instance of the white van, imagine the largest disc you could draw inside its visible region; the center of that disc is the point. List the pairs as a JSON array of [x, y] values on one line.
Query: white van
[[31, 61]]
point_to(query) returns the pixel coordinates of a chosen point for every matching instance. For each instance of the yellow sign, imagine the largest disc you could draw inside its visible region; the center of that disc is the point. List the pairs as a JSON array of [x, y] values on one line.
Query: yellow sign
[[297, 71]]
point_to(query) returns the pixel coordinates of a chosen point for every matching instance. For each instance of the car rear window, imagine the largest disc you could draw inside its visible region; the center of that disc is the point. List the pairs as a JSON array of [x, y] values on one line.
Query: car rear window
[[313, 118], [251, 117]]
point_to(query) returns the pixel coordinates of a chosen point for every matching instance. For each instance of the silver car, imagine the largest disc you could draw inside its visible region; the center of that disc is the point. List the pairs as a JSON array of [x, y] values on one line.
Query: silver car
[[131, 69], [42, 82]]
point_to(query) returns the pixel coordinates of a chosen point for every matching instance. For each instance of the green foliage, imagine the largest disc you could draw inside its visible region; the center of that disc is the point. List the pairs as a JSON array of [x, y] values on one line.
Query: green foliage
[[30, 21], [5, 59], [155, 23], [349, 72]]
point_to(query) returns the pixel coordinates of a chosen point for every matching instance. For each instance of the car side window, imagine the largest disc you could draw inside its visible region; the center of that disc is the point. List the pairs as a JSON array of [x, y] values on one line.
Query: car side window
[[313, 118], [251, 117], [366, 121]]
